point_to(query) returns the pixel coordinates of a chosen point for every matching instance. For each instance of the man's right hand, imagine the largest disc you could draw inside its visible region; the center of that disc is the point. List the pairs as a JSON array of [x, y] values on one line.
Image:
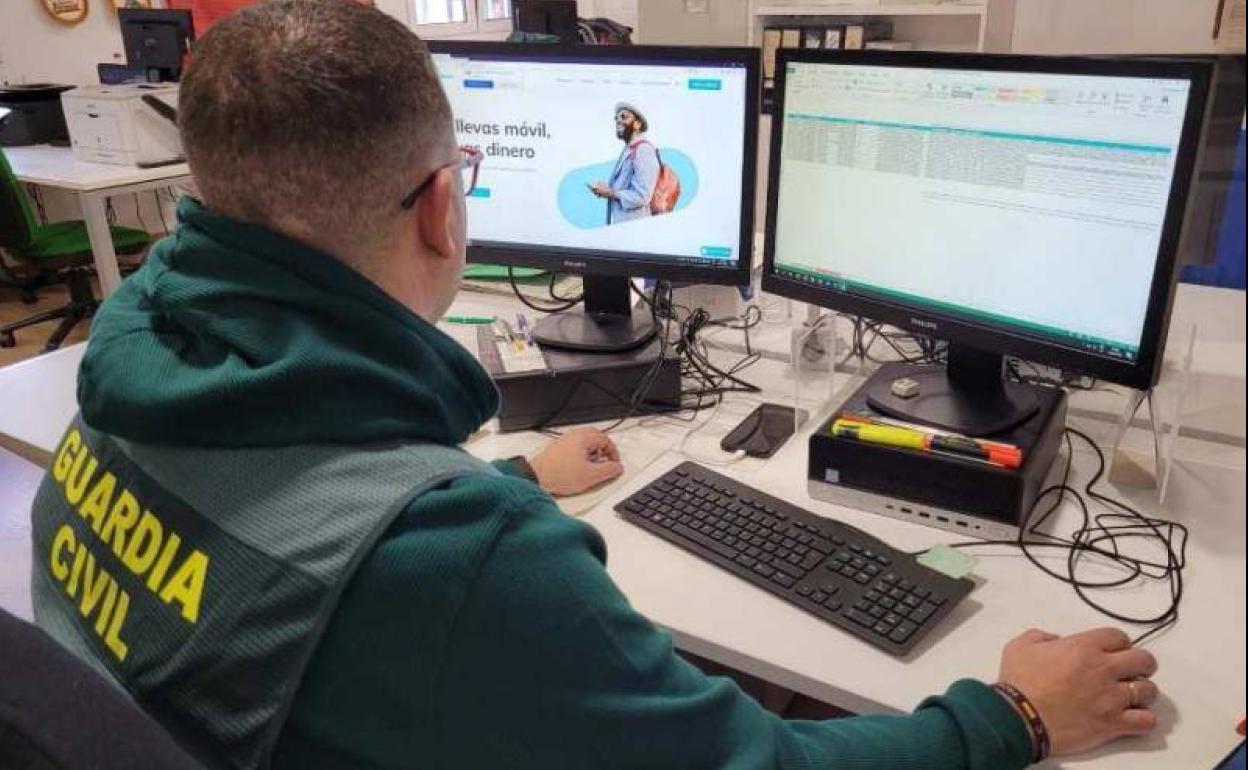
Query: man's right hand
[[1089, 688]]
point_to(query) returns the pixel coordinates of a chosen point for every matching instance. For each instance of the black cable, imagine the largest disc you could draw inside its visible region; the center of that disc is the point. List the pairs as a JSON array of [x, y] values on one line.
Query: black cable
[[703, 383], [533, 304], [1103, 535]]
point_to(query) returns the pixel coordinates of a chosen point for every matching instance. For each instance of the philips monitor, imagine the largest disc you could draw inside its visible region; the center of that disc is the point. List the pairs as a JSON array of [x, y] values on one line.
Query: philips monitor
[[610, 162], [1011, 205], [156, 40]]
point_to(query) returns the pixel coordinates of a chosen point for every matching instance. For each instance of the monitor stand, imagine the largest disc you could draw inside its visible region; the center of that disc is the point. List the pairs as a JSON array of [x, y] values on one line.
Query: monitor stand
[[969, 395], [606, 325]]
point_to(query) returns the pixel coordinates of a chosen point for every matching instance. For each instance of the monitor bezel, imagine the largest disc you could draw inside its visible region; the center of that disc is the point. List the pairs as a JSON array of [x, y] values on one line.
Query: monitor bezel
[[1143, 373], [583, 261]]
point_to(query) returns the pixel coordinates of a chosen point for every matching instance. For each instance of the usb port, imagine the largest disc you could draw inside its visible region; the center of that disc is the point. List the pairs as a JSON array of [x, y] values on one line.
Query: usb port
[[944, 519], [906, 510]]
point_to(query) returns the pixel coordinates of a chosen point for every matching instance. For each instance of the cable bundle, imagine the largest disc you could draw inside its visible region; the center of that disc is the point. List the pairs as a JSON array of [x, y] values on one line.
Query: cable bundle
[[1104, 535]]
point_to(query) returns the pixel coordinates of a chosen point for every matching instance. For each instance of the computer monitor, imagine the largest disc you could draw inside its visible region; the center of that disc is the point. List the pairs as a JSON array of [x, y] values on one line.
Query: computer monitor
[[1011, 205], [547, 17], [610, 162], [156, 40]]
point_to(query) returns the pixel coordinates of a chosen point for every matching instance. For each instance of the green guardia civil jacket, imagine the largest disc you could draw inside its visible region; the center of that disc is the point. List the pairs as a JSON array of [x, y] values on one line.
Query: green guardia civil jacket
[[481, 630]]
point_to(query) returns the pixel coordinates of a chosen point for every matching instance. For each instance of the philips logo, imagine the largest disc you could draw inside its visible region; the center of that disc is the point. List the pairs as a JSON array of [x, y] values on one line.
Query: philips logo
[[919, 322], [574, 264]]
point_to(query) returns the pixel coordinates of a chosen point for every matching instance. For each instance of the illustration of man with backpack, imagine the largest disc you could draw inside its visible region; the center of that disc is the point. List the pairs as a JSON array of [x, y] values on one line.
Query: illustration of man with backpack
[[641, 185]]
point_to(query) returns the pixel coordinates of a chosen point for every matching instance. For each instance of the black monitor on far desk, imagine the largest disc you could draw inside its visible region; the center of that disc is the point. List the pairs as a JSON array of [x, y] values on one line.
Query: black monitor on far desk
[[156, 41], [610, 162], [547, 17]]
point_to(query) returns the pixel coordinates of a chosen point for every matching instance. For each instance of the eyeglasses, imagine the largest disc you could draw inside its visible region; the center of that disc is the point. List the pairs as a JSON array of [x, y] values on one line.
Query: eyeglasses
[[469, 165]]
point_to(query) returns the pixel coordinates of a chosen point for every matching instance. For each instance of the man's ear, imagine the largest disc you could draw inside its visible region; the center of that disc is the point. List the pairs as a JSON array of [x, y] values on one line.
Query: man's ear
[[435, 215]]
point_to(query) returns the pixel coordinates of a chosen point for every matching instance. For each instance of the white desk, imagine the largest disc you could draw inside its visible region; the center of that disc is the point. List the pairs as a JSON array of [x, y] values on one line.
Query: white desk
[[713, 614], [94, 184]]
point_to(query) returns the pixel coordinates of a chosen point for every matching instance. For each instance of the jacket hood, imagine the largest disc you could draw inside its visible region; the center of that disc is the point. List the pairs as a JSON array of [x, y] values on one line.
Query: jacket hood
[[232, 335]]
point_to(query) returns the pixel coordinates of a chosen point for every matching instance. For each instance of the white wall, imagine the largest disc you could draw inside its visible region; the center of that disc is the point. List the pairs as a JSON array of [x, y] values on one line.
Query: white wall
[[1114, 26], [34, 47], [666, 22]]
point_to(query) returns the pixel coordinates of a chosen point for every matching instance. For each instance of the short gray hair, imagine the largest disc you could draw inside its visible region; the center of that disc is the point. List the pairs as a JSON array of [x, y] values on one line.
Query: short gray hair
[[312, 116]]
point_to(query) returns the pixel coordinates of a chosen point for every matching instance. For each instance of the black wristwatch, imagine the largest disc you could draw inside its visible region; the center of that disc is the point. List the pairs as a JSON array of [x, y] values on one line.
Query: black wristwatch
[[522, 465]]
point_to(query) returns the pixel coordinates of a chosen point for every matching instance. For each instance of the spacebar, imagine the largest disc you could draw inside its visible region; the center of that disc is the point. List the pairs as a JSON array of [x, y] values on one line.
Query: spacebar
[[725, 551]]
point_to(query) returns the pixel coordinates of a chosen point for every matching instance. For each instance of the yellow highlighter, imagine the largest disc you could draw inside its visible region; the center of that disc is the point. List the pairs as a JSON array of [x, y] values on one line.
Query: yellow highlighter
[[887, 435]]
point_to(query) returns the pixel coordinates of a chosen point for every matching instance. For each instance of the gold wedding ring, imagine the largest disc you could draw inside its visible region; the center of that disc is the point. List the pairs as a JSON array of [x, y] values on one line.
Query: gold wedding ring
[[1133, 686]]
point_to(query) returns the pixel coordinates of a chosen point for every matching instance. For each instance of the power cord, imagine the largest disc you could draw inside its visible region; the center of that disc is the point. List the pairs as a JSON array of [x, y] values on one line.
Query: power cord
[[559, 304], [1104, 535]]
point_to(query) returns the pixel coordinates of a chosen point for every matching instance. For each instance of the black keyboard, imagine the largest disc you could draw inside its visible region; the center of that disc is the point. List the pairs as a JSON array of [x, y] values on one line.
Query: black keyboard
[[832, 570]]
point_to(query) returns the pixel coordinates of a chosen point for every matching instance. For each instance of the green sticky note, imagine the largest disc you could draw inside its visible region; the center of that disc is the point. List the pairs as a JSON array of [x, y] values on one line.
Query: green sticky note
[[949, 561]]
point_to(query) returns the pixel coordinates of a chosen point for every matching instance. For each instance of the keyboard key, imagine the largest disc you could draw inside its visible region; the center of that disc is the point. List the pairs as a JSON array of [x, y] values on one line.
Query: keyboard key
[[705, 542], [924, 612], [902, 632], [746, 561], [882, 628], [804, 590], [834, 604], [811, 560], [819, 596], [859, 617], [783, 579], [862, 578], [790, 569], [764, 569]]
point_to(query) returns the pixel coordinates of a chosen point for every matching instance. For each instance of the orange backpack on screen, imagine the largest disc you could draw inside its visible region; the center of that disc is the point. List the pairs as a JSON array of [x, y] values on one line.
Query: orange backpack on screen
[[667, 189]]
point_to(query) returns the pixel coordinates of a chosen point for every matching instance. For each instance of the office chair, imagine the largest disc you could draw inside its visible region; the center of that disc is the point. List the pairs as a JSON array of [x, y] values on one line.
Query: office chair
[[57, 713], [57, 252]]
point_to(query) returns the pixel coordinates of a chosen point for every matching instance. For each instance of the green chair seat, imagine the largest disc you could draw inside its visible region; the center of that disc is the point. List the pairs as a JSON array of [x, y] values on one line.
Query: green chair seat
[[62, 240]]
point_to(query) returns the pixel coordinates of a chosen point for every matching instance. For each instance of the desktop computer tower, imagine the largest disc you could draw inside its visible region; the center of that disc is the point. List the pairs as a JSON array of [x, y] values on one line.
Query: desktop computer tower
[[959, 495], [582, 387]]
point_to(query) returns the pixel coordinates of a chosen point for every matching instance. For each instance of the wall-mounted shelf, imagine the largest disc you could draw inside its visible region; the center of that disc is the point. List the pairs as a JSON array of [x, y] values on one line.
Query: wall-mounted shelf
[[933, 26]]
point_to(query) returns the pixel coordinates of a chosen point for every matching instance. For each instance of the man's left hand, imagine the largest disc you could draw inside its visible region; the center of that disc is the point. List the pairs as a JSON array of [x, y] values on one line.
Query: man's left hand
[[603, 190], [577, 461]]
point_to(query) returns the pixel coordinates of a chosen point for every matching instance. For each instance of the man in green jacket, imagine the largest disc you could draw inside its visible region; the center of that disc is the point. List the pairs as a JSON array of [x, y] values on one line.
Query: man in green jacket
[[260, 524]]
